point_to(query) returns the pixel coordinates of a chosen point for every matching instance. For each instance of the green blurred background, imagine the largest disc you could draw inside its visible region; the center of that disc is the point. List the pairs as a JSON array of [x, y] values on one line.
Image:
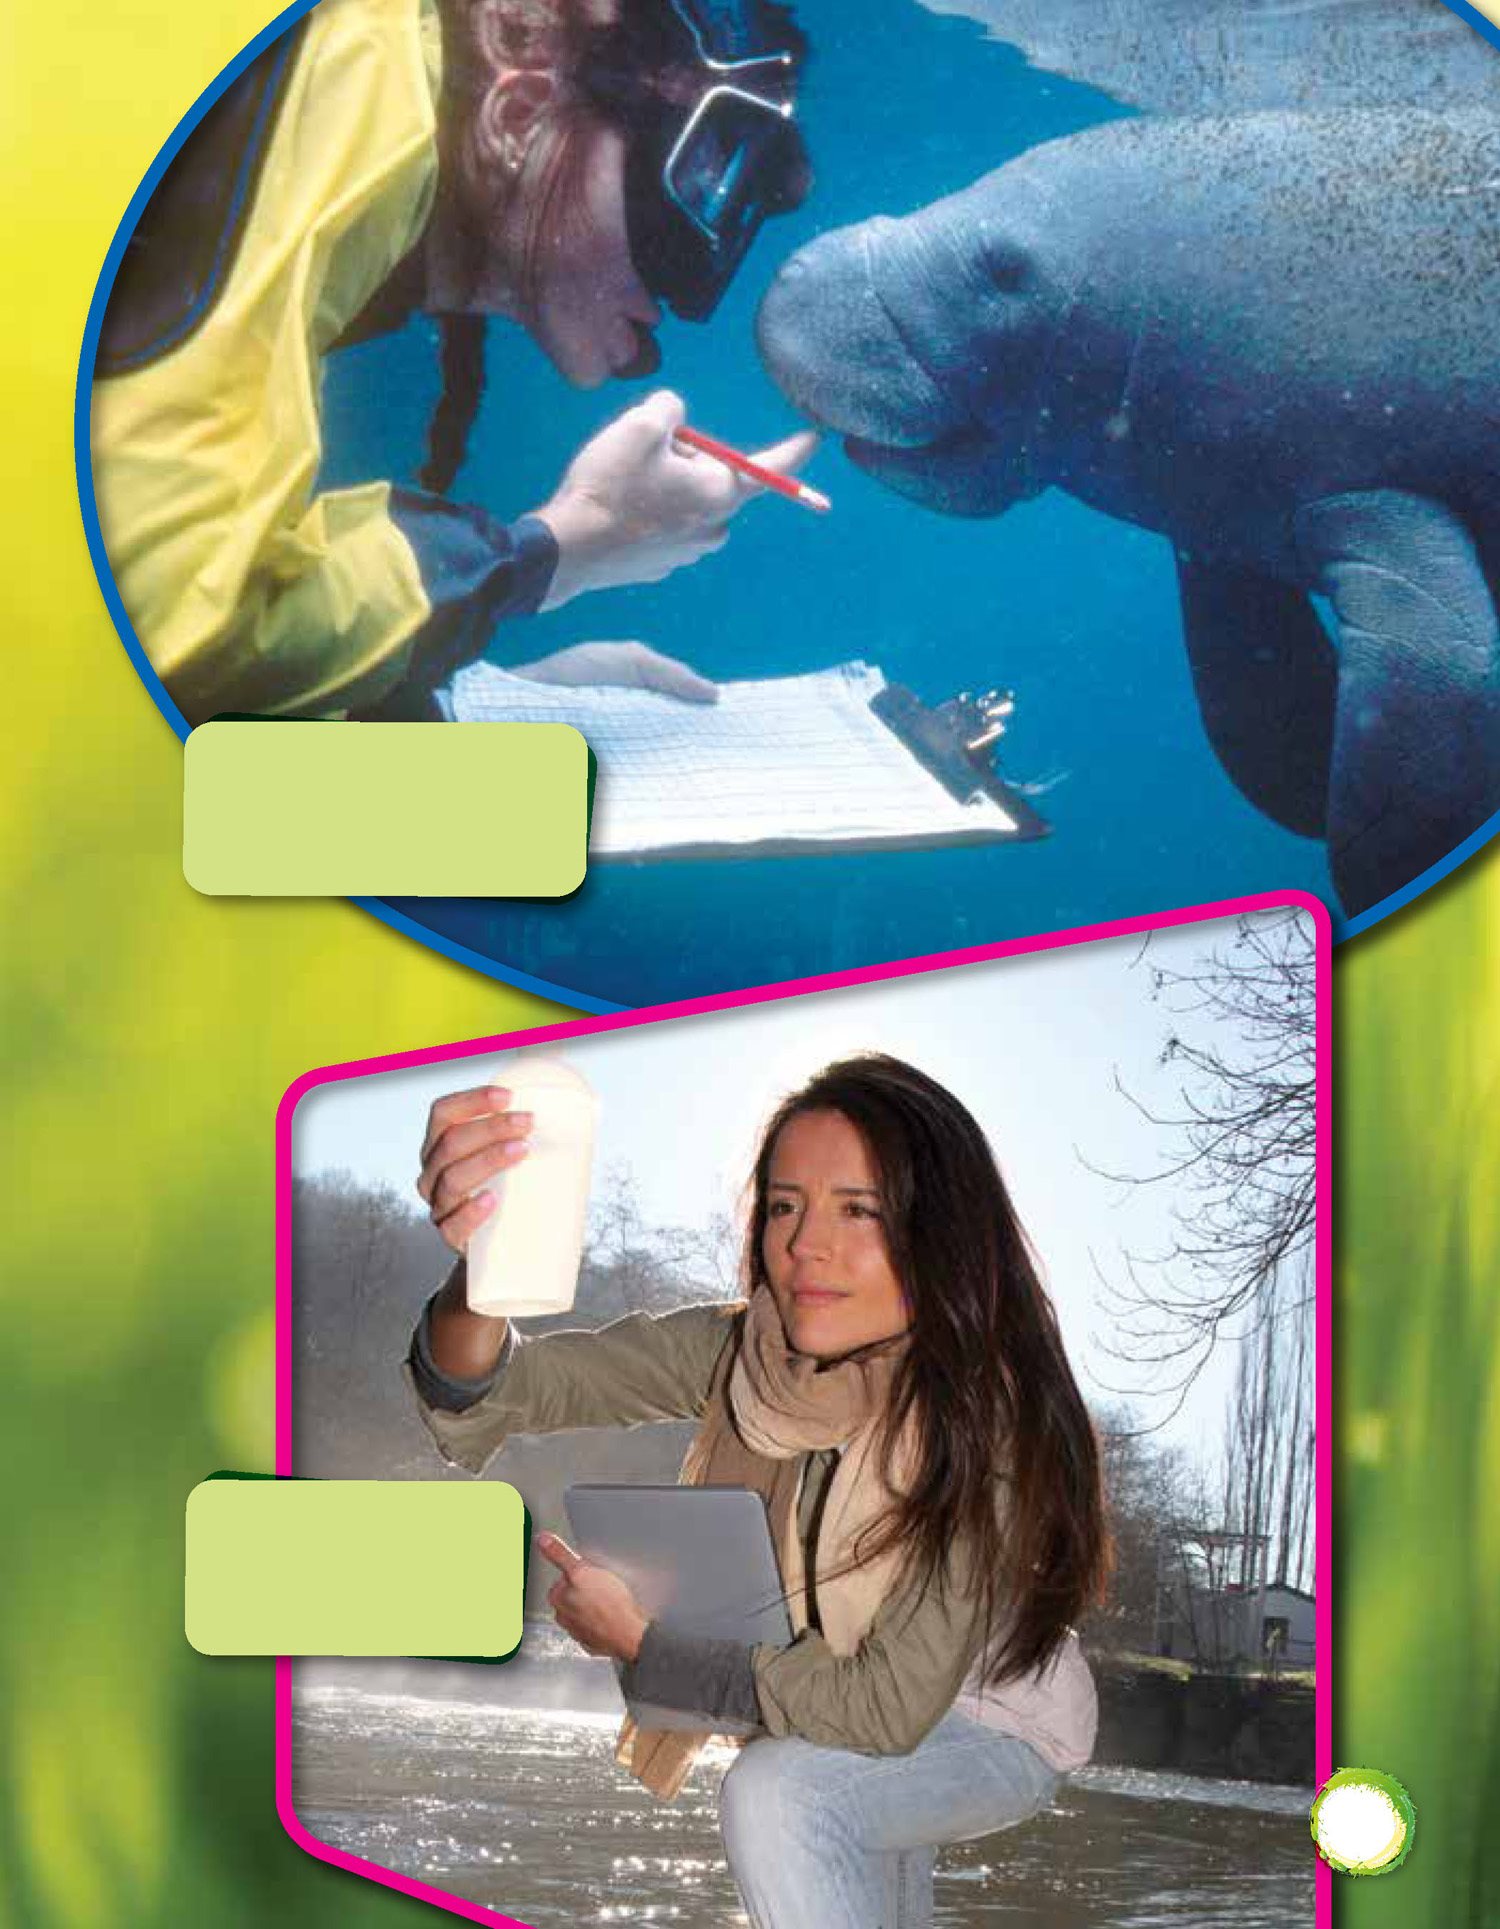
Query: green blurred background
[[149, 1035]]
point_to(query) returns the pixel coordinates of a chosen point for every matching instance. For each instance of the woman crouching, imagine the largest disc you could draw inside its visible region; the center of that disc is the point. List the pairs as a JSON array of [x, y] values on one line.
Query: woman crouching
[[895, 1386]]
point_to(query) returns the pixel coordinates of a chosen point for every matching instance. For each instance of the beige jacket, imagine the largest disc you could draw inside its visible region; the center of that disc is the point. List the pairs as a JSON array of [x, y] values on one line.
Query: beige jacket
[[924, 1652]]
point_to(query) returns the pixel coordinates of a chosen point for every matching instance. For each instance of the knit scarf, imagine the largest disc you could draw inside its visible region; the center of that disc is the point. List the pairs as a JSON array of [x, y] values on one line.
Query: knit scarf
[[763, 1415]]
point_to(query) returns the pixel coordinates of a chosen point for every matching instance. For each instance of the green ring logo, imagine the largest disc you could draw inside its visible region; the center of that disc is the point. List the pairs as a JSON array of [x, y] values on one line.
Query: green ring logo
[[1363, 1822]]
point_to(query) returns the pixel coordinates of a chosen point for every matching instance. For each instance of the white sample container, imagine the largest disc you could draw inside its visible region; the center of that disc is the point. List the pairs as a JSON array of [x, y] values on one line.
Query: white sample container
[[524, 1259]]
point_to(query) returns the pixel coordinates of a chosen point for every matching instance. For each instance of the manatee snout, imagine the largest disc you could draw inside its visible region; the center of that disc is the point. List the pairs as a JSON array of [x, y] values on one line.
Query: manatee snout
[[832, 347], [852, 330]]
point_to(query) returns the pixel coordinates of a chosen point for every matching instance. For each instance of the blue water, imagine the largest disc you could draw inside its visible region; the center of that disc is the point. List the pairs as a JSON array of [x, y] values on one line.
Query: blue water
[[1077, 613]]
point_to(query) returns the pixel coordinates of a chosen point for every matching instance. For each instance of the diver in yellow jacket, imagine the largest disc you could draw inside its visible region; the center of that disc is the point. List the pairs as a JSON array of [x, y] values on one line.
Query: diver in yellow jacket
[[571, 169]]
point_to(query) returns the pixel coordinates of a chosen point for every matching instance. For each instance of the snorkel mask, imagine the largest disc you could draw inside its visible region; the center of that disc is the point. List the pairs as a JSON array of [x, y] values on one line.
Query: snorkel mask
[[705, 92]]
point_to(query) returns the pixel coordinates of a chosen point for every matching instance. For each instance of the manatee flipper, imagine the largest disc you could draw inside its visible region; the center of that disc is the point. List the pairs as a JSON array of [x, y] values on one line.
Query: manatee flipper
[[1416, 751], [1265, 675]]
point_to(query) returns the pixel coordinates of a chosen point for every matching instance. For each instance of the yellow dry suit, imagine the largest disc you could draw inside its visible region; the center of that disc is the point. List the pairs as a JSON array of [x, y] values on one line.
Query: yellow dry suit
[[248, 590]]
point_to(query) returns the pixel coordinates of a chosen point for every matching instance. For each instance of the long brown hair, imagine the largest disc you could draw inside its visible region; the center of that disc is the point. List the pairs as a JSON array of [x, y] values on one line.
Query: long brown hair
[[1007, 1464]]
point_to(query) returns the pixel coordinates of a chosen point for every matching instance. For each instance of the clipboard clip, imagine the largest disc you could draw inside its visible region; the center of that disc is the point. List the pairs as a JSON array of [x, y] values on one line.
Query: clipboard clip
[[980, 722], [958, 743]]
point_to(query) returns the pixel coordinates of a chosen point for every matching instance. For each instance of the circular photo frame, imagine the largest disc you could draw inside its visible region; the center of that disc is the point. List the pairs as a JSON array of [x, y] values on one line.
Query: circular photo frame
[[1152, 379]]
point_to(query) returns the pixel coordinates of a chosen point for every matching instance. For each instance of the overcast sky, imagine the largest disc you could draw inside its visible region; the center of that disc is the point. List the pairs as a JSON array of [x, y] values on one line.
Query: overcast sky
[[1033, 1046]]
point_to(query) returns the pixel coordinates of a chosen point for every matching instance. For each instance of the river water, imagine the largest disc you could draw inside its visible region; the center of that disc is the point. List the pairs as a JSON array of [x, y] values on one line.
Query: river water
[[522, 1808]]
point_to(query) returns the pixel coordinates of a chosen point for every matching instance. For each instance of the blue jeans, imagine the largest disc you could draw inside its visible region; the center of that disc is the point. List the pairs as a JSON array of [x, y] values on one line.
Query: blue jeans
[[822, 1838]]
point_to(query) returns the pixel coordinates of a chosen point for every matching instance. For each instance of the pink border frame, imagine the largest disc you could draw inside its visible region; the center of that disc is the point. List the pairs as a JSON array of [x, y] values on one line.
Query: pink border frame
[[766, 994]]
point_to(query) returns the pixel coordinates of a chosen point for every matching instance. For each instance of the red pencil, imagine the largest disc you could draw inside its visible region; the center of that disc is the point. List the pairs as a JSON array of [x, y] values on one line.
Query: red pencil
[[787, 486]]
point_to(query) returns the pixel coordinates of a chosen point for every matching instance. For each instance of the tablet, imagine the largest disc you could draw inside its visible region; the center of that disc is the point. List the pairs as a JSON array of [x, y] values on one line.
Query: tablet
[[698, 1559]]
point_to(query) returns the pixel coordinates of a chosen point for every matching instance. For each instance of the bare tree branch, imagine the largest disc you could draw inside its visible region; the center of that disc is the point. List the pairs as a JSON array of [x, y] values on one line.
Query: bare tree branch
[[1242, 1044]]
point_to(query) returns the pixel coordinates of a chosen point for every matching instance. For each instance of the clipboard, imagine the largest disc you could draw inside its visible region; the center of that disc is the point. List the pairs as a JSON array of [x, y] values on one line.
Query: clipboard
[[698, 1559], [831, 761]]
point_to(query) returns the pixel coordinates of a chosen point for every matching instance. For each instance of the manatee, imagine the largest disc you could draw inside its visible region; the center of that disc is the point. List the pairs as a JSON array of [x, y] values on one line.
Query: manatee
[[1269, 337]]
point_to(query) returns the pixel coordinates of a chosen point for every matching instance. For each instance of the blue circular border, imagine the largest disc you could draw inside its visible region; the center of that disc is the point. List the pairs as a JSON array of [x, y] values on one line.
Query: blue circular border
[[434, 941]]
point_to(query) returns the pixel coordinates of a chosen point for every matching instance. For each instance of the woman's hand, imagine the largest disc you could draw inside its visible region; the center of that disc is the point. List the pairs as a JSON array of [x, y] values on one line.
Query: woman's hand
[[470, 1137], [630, 665], [634, 506], [593, 1605]]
